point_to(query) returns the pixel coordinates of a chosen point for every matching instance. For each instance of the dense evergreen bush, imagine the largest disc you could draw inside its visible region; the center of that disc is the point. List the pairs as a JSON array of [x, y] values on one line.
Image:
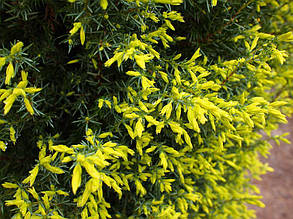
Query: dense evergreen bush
[[140, 109]]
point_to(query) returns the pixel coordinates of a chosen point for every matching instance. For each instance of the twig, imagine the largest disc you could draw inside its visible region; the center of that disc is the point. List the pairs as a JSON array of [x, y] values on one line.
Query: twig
[[210, 35]]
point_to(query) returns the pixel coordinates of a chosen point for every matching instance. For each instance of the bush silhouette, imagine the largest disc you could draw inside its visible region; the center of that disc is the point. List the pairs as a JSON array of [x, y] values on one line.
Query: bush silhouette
[[140, 109]]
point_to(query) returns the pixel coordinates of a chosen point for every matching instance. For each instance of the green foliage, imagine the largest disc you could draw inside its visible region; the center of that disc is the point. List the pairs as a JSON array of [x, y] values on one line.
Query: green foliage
[[140, 109]]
